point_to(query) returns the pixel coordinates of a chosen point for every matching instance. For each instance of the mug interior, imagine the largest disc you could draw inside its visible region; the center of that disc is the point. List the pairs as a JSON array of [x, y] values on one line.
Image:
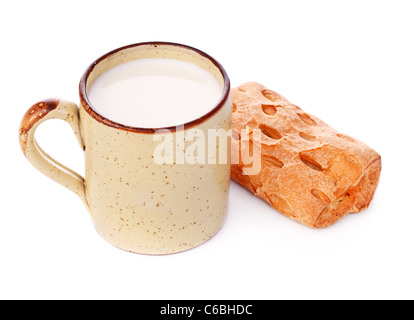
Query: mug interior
[[152, 50]]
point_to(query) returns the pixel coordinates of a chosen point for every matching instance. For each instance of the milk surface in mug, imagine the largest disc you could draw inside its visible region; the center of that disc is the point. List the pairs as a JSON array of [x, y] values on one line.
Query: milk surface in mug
[[155, 93]]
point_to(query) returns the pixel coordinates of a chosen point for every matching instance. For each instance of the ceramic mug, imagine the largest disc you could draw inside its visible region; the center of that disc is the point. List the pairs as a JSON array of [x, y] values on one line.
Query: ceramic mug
[[136, 204]]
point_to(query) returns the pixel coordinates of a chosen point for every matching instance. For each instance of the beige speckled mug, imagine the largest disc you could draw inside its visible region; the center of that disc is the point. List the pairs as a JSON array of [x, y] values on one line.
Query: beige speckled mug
[[135, 203]]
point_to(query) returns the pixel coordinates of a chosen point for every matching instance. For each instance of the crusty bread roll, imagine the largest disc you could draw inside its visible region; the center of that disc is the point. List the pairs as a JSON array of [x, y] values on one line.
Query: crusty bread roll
[[309, 171]]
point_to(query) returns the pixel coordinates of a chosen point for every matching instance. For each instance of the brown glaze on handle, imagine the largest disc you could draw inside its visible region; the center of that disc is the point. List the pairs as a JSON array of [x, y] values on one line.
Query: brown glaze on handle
[[37, 114], [32, 116]]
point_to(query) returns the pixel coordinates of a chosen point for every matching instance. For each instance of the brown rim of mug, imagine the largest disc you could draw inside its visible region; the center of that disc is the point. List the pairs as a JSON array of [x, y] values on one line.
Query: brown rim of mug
[[86, 104]]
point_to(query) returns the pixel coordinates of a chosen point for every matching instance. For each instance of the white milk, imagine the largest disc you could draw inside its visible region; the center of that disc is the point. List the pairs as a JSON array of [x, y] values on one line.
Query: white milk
[[155, 93]]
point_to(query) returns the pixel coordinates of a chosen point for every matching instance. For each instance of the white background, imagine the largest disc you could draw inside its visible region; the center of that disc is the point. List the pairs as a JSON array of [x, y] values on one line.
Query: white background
[[351, 63]]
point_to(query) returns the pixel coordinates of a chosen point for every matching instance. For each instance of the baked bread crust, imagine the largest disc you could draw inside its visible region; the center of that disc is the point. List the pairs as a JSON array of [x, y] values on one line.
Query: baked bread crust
[[309, 172]]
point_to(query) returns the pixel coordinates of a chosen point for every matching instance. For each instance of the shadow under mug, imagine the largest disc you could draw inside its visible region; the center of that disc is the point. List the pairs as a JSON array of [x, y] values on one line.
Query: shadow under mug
[[136, 204]]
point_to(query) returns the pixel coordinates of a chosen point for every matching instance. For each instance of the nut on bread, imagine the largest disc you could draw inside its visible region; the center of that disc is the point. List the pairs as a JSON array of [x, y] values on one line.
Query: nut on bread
[[309, 172]]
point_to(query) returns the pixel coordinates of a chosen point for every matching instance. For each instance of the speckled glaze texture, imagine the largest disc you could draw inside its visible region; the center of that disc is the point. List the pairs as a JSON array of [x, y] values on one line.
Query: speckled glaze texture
[[136, 204], [143, 207]]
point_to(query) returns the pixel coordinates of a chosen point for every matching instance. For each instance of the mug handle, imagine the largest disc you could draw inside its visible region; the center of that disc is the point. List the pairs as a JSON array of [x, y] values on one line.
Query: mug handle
[[37, 114]]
